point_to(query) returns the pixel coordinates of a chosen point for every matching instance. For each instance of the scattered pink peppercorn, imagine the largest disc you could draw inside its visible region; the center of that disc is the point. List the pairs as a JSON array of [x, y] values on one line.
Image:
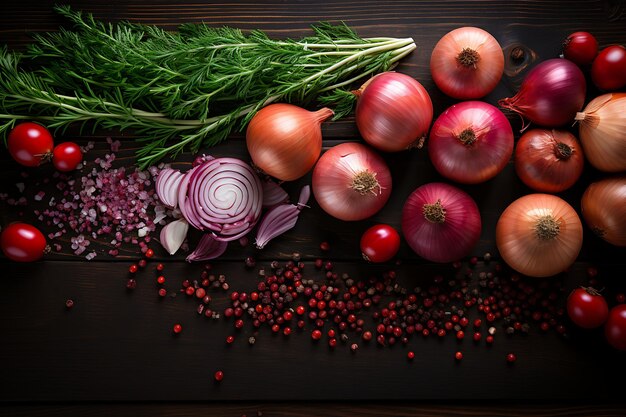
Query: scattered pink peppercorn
[[160, 267], [177, 328], [162, 292], [458, 356], [161, 279], [325, 246], [131, 284], [410, 355], [133, 268], [489, 339], [477, 336], [69, 303], [230, 339], [510, 358], [219, 375], [149, 253], [142, 263], [316, 334]]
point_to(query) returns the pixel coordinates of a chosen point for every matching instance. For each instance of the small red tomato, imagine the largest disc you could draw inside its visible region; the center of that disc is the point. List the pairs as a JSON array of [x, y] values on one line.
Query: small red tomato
[[380, 243], [22, 242], [587, 308], [608, 70], [580, 48], [66, 156], [615, 327], [30, 144]]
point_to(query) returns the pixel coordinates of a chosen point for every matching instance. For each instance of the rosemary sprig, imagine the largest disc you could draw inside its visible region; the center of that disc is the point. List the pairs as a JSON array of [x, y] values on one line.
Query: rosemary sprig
[[180, 90]]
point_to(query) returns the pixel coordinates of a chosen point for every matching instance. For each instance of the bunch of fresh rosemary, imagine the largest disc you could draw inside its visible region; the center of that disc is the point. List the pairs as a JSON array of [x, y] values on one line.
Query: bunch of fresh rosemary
[[181, 90]]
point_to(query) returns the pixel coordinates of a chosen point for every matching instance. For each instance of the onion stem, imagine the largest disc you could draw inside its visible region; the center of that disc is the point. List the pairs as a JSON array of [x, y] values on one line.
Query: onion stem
[[365, 182], [547, 227], [468, 58], [434, 213]]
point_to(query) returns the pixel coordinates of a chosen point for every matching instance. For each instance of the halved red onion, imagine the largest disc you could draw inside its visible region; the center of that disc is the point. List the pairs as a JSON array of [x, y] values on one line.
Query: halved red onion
[[281, 218], [208, 248], [223, 196], [167, 184]]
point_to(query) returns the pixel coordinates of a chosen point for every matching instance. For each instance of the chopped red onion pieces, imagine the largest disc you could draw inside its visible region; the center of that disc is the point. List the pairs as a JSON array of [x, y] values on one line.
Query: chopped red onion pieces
[[173, 235], [280, 219], [208, 248]]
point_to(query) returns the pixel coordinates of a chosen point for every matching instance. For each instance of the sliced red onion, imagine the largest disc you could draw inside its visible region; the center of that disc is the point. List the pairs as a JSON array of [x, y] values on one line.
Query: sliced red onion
[[280, 219], [223, 196], [167, 184], [208, 248], [273, 194], [173, 235]]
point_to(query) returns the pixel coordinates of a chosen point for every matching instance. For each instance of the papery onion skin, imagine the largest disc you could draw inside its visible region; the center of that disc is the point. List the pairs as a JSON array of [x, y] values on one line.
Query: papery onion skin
[[341, 171], [551, 93], [461, 78], [285, 140], [393, 112], [549, 161], [602, 131], [539, 235], [471, 142], [603, 207], [223, 196], [448, 240]]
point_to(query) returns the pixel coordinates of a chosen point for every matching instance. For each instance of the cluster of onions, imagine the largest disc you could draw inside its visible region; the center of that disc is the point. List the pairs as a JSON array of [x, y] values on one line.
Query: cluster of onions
[[222, 197], [551, 93], [351, 182], [440, 222], [539, 235], [603, 207], [393, 112], [471, 142], [285, 140], [549, 161], [602, 132], [467, 63]]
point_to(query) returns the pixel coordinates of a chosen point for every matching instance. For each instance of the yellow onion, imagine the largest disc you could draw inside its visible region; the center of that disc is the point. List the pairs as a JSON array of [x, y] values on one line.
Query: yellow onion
[[285, 140], [539, 235], [603, 132], [604, 209]]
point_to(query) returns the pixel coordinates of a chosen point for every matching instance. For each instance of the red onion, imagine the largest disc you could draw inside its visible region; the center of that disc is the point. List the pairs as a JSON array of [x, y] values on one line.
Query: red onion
[[351, 182], [551, 94], [281, 218], [393, 111], [440, 222], [223, 196], [273, 194], [173, 235], [471, 142], [167, 184], [208, 248]]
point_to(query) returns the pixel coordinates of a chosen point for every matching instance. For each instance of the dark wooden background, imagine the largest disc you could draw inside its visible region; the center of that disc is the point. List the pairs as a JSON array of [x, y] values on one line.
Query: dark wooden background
[[114, 354]]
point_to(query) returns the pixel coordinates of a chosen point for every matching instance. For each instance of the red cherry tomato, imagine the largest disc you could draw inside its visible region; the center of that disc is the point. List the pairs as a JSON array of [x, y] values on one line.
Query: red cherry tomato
[[380, 243], [66, 156], [608, 71], [615, 328], [22, 242], [30, 143], [587, 308], [580, 48]]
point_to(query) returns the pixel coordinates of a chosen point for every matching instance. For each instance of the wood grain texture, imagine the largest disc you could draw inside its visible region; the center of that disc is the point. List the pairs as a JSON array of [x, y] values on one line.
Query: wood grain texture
[[114, 354]]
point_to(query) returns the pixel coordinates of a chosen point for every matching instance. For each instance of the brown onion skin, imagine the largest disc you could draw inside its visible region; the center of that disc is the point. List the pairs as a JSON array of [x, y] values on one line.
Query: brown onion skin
[[541, 164], [603, 207], [602, 131], [393, 111], [523, 250], [285, 140]]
